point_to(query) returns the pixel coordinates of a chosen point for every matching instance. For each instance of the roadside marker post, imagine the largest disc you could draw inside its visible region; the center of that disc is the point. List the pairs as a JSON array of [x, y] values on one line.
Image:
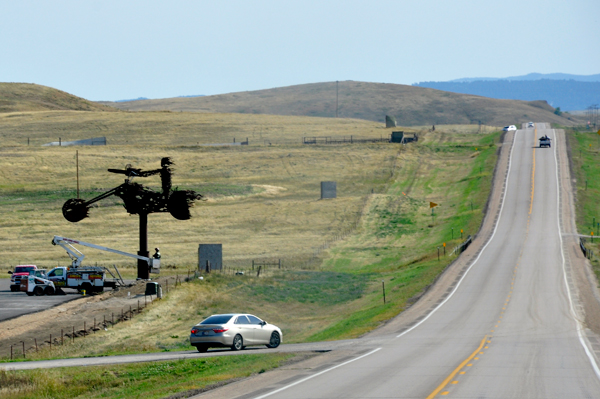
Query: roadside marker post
[[444, 244], [383, 288], [461, 234]]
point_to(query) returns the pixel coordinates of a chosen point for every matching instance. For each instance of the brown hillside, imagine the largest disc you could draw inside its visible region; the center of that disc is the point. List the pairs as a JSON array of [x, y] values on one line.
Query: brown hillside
[[22, 97], [410, 105]]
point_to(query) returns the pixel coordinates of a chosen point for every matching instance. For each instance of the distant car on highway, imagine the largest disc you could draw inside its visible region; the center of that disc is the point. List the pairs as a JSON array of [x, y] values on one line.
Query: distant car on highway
[[510, 128], [234, 330], [530, 124]]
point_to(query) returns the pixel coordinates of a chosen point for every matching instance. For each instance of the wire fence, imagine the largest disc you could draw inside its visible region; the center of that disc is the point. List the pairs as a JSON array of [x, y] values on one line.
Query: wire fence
[[68, 334]]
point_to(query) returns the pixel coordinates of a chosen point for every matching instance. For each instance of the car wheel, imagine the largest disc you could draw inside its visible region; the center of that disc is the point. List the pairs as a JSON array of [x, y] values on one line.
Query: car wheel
[[202, 348], [38, 291], [274, 341], [49, 290], [238, 343]]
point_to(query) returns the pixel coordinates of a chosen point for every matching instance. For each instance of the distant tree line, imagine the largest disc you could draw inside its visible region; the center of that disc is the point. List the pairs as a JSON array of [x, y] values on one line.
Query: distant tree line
[[568, 95]]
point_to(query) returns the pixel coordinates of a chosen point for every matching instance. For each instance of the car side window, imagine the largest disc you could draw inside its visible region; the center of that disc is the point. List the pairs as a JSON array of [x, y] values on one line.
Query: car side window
[[254, 319], [242, 320]]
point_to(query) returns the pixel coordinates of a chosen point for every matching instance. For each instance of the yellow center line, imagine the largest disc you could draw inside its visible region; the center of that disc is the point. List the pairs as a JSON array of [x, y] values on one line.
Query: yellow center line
[[460, 366], [533, 172], [466, 363]]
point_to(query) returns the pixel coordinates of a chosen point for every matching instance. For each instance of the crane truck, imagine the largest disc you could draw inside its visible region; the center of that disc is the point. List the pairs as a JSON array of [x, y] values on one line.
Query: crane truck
[[89, 278]]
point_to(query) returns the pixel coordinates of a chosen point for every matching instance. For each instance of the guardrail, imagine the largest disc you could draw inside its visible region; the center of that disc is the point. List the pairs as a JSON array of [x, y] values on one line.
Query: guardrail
[[588, 253], [462, 247]]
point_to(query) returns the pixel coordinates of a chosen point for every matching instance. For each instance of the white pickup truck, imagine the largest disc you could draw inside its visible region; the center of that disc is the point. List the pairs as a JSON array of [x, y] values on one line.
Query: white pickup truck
[[88, 278]]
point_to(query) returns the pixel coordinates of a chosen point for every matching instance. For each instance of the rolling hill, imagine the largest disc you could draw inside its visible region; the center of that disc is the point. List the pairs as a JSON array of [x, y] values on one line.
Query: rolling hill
[[23, 97], [412, 106]]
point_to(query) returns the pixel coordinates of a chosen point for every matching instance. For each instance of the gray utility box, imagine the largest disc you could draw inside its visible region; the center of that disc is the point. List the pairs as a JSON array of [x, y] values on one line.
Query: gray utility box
[[212, 253], [328, 189]]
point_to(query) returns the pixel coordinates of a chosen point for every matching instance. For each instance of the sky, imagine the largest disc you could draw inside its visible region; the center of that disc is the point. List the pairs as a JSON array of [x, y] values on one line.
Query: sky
[[114, 50]]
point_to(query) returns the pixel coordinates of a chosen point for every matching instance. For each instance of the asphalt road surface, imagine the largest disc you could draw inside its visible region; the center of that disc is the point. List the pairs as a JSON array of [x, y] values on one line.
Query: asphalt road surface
[[506, 330], [13, 304]]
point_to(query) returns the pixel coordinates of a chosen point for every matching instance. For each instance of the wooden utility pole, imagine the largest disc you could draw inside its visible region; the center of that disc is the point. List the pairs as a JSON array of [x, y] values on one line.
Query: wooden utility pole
[[77, 167], [337, 82]]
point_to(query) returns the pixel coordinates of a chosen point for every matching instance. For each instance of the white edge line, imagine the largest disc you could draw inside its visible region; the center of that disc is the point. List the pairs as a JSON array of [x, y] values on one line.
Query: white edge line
[[562, 254], [315, 375], [482, 249]]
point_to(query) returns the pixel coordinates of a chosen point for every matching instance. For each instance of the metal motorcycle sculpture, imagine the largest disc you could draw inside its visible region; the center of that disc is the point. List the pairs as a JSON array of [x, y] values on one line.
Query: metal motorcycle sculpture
[[140, 200]]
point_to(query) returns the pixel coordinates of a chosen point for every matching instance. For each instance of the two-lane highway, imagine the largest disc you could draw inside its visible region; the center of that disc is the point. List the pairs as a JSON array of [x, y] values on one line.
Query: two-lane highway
[[508, 329]]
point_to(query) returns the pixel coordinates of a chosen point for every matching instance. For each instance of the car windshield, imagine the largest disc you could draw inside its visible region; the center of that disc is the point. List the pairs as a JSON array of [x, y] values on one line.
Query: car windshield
[[24, 269], [217, 319]]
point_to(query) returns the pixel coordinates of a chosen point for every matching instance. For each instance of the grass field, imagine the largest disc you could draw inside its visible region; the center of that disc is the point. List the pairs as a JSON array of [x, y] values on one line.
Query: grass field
[[139, 380], [262, 203], [585, 151]]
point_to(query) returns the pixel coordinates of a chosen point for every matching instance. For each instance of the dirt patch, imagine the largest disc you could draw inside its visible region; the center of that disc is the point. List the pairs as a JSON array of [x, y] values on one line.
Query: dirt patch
[[84, 316], [267, 191]]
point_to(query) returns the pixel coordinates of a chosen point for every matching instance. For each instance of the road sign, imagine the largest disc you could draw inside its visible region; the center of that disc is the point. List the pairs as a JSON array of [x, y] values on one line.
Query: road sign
[[432, 204]]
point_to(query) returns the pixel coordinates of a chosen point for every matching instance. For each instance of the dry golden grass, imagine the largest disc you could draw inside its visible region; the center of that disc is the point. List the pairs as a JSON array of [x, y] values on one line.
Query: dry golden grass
[[263, 203], [273, 211], [20, 97]]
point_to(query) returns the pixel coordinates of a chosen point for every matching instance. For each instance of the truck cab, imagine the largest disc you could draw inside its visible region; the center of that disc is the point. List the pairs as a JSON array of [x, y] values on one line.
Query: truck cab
[[21, 271]]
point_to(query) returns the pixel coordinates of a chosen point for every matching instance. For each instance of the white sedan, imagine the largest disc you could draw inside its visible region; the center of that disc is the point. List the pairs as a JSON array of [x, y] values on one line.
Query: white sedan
[[510, 128], [234, 330]]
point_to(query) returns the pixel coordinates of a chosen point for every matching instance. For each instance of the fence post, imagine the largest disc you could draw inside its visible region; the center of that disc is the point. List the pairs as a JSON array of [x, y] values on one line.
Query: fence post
[[50, 342], [62, 337], [36, 347], [23, 349], [73, 334], [258, 272]]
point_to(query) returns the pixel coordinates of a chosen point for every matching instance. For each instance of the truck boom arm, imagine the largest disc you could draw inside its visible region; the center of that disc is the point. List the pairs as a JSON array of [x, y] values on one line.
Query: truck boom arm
[[77, 256]]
